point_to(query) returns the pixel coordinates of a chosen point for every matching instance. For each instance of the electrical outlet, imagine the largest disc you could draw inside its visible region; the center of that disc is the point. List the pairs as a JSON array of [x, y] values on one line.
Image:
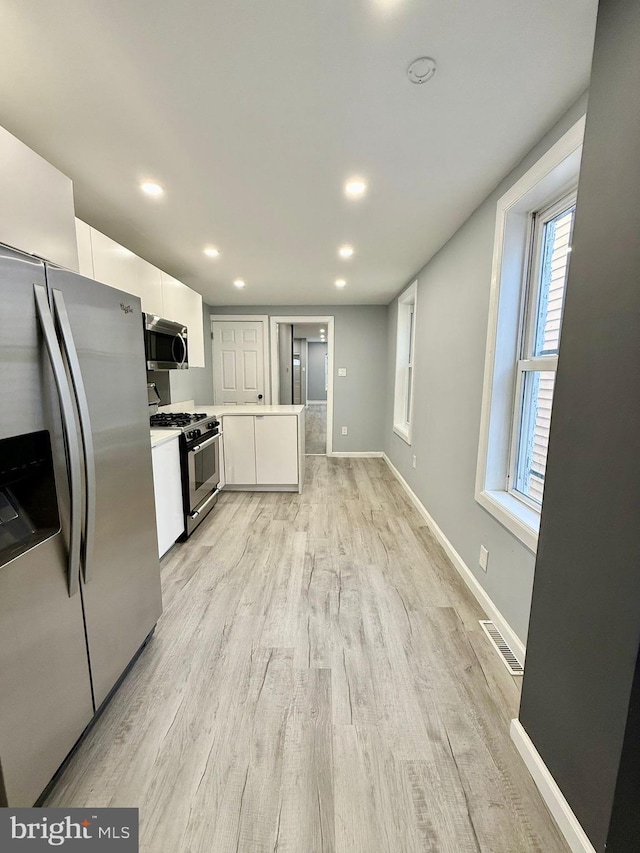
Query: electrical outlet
[[345, 430], [414, 462], [342, 371], [484, 558]]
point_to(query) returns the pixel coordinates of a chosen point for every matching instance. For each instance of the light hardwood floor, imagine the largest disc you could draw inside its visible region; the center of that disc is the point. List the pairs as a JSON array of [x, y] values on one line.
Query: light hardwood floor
[[318, 683], [315, 428]]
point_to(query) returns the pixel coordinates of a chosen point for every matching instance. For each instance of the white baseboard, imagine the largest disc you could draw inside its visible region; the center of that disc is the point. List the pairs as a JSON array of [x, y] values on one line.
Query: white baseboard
[[564, 817], [355, 454], [479, 592], [316, 402]]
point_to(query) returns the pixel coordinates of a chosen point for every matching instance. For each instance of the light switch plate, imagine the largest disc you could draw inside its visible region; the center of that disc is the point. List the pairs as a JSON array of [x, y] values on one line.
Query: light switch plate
[[342, 371], [345, 430]]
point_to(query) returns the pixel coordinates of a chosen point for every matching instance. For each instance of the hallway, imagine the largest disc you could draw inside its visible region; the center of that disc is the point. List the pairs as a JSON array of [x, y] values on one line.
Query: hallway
[[315, 427], [318, 682]]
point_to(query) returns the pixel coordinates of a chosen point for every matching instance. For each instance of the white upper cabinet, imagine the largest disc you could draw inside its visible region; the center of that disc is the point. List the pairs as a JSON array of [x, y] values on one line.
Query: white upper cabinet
[[36, 204], [105, 260], [184, 305], [150, 288], [113, 264], [85, 252]]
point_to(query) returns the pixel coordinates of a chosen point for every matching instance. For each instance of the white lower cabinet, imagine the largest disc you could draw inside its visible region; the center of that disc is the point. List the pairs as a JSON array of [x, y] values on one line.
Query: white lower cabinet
[[261, 450], [238, 435], [276, 449], [167, 487]]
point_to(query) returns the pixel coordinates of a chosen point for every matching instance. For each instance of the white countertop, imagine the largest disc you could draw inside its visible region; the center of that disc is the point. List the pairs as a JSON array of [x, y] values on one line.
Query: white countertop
[[211, 410], [248, 410], [161, 436]]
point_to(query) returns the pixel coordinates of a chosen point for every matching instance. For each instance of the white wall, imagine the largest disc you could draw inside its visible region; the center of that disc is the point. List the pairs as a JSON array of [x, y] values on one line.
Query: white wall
[[451, 330], [360, 346]]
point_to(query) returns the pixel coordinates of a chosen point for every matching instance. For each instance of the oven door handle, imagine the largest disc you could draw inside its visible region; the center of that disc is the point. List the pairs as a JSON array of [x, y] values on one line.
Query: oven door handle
[[205, 444]]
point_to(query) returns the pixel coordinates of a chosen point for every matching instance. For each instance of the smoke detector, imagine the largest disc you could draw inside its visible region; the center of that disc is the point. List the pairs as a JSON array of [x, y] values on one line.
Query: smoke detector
[[422, 69]]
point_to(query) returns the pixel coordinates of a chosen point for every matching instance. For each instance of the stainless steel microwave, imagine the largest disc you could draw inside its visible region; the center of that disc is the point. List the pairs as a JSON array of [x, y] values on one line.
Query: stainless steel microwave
[[165, 343]]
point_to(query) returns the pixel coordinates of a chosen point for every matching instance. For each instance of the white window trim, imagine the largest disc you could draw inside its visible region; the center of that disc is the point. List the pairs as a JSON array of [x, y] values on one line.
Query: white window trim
[[403, 386], [555, 172]]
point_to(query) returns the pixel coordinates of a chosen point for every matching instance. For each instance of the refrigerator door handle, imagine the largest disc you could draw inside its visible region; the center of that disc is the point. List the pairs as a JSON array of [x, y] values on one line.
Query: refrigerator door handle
[[71, 435], [85, 427]]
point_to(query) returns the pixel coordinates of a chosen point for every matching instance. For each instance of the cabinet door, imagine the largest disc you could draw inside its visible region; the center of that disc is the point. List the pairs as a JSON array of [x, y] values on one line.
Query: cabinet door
[[276, 450], [149, 287], [167, 488], [36, 204], [184, 305], [113, 264], [85, 252], [239, 450]]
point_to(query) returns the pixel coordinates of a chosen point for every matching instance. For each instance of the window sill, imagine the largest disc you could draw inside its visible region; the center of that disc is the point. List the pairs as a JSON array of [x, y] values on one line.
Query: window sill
[[513, 514], [404, 433]]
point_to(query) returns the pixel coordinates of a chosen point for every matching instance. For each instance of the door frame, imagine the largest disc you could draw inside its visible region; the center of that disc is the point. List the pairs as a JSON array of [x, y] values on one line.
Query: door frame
[[315, 319], [247, 318]]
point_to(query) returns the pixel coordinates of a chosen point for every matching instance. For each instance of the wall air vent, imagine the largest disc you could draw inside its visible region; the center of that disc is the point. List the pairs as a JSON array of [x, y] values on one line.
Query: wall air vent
[[506, 655]]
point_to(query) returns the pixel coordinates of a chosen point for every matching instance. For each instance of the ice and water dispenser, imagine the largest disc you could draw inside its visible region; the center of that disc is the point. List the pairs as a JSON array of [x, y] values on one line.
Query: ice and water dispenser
[[28, 502]]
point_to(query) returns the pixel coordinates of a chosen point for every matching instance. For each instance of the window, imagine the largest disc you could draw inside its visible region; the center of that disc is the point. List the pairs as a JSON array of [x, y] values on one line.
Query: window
[[405, 348], [551, 230], [534, 227]]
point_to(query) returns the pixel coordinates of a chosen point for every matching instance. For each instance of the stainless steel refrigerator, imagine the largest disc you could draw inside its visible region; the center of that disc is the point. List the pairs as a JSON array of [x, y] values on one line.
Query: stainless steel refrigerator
[[79, 570]]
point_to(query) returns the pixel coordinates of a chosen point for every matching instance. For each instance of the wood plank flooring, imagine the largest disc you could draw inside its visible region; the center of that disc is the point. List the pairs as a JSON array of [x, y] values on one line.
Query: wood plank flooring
[[318, 683], [315, 428]]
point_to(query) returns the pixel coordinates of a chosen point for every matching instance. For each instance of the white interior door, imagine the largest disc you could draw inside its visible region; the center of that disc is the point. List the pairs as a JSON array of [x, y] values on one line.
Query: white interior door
[[238, 362]]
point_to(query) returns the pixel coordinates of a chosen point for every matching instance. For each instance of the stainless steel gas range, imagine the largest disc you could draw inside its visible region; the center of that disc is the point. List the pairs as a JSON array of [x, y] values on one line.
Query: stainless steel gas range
[[199, 461]]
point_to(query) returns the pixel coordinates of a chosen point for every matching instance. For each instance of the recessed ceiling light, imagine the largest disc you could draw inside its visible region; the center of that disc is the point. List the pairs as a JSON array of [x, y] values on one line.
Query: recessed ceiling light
[[340, 282], [239, 283], [211, 252], [345, 251], [322, 331], [355, 188], [151, 188]]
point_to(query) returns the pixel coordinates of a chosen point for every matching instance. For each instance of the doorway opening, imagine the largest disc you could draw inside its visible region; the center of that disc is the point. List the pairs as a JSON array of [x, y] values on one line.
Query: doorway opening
[[302, 374]]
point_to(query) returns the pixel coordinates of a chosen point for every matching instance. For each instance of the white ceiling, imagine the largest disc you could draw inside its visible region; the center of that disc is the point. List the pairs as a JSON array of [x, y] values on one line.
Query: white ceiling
[[252, 114], [310, 331]]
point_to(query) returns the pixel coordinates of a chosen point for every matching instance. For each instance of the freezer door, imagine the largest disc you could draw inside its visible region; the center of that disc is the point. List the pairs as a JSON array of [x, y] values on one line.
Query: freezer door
[[121, 595], [45, 690]]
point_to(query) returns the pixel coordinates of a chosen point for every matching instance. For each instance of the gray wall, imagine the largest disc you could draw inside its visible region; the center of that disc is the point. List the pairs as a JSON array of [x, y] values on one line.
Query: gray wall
[[584, 635], [361, 347], [315, 371], [451, 332]]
